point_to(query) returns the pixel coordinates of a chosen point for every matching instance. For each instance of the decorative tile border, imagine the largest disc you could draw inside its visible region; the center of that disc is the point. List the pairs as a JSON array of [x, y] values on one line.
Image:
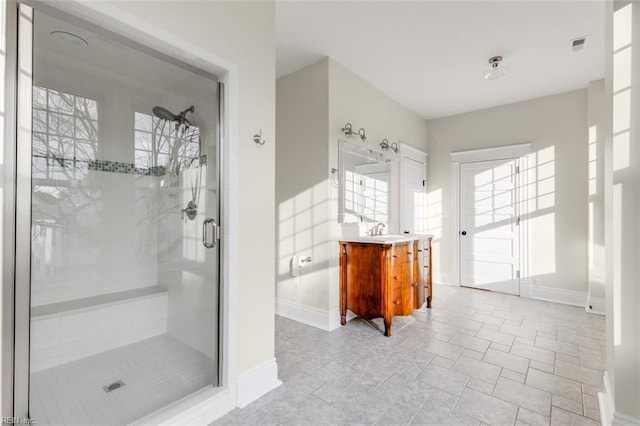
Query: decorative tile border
[[128, 168], [112, 166]]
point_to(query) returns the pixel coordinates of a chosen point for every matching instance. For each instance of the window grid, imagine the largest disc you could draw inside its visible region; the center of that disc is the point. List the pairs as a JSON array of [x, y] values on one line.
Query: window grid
[[159, 144], [65, 133]]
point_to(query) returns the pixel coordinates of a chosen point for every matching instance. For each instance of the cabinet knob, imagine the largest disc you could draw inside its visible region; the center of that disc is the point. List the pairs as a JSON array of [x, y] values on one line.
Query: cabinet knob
[[414, 285], [396, 278], [396, 302]]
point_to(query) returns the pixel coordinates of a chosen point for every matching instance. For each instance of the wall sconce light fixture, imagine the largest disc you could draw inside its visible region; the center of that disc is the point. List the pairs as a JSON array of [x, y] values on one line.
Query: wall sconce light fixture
[[348, 131]]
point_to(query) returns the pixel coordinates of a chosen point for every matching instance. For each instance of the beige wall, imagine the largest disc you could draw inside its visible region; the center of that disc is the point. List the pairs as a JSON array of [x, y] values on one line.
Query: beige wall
[[313, 104], [557, 128], [302, 204], [244, 34]]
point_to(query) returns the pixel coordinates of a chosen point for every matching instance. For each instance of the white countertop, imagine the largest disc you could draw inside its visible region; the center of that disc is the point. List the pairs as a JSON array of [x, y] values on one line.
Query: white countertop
[[386, 239]]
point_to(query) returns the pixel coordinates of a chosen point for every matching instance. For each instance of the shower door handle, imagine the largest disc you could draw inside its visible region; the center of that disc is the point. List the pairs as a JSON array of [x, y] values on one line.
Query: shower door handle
[[205, 234]]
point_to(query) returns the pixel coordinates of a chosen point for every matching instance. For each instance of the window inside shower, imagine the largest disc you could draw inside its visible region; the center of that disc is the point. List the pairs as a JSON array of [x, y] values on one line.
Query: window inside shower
[[124, 293]]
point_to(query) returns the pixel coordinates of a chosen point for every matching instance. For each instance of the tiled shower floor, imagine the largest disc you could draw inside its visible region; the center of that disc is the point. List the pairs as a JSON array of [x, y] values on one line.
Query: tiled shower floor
[[156, 372]]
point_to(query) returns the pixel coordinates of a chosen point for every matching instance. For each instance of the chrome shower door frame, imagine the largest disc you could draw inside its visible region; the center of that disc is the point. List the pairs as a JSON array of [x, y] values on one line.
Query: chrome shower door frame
[[17, 205], [22, 288]]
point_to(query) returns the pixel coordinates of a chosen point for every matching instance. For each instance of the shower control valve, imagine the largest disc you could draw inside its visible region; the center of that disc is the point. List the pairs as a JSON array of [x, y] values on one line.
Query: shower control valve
[[190, 211]]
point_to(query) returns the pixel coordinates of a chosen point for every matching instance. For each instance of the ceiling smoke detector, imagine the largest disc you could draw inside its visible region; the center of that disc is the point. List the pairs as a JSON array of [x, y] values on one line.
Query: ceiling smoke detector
[[579, 43], [496, 68]]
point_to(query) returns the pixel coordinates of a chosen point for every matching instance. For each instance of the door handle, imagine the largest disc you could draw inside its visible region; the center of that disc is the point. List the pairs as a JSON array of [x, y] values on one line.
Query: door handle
[[463, 233], [205, 234]]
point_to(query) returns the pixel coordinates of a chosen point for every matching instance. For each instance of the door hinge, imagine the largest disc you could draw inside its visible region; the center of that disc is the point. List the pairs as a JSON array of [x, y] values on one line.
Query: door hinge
[[518, 221], [517, 169], [424, 182], [517, 274], [361, 182]]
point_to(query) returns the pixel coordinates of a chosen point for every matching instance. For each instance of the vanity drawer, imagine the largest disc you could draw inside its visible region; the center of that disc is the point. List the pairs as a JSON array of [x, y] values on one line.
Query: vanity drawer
[[396, 301], [400, 253], [423, 247]]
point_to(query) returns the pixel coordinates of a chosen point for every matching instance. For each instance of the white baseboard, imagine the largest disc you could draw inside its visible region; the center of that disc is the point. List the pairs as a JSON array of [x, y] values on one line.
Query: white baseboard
[[525, 289], [595, 305], [556, 295], [605, 402], [624, 420], [566, 297], [318, 318], [334, 319], [257, 381], [305, 314], [608, 416]]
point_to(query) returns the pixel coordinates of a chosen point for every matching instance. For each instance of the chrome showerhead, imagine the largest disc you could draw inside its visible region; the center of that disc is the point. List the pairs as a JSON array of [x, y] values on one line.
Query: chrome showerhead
[[164, 114], [180, 119]]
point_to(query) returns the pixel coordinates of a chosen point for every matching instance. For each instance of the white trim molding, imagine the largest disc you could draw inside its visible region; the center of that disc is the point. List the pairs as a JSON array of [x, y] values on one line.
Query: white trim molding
[[550, 294], [318, 318], [257, 381], [595, 305], [558, 295], [455, 223], [620, 419], [519, 151], [525, 289], [494, 153], [308, 315], [608, 415], [411, 152], [605, 402]]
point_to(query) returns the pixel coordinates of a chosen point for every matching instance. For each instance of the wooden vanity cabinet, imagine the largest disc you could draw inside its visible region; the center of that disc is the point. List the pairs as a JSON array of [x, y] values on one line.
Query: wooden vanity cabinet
[[384, 279]]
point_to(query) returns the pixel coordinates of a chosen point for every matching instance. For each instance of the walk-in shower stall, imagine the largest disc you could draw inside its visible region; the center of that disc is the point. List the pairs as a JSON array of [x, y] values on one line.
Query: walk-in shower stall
[[118, 177]]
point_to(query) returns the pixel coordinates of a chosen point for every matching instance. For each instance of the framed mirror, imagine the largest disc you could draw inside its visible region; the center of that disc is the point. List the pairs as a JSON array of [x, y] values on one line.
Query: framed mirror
[[364, 183]]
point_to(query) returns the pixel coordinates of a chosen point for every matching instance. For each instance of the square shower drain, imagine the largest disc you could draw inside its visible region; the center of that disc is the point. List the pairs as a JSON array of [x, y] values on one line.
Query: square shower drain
[[113, 386]]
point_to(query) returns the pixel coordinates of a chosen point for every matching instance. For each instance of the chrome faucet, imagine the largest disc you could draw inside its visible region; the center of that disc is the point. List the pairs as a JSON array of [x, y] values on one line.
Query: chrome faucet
[[377, 229]]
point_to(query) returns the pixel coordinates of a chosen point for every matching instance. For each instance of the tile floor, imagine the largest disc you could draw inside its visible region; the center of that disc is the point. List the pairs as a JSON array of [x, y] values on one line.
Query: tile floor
[[156, 372], [476, 358]]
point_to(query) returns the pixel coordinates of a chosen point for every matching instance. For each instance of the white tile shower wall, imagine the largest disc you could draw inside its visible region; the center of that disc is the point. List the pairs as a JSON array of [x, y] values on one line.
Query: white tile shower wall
[[96, 232], [93, 236], [60, 338], [186, 269]]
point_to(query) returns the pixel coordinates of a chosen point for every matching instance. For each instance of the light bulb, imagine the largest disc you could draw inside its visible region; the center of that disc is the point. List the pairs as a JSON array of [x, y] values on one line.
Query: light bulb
[[495, 68]]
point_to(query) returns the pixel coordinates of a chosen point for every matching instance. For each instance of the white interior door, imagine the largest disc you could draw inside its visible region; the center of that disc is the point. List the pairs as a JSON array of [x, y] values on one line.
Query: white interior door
[[413, 195], [489, 237]]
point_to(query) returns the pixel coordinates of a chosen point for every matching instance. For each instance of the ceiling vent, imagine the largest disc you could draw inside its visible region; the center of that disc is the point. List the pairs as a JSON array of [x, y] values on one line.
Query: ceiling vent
[[579, 43]]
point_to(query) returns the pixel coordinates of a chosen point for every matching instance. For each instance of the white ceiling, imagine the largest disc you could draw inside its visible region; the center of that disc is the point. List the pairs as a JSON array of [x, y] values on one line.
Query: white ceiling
[[429, 56]]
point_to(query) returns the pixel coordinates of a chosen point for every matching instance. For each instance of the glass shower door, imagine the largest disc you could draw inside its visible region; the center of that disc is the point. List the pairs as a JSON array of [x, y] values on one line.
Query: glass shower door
[[124, 228]]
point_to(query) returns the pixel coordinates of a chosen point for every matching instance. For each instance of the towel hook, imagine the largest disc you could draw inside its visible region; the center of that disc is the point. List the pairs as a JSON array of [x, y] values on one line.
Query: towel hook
[[257, 138]]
